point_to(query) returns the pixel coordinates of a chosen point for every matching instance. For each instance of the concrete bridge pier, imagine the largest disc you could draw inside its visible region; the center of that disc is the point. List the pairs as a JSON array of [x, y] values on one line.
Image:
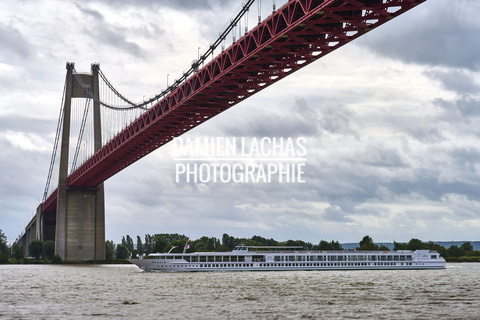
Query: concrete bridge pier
[[80, 226]]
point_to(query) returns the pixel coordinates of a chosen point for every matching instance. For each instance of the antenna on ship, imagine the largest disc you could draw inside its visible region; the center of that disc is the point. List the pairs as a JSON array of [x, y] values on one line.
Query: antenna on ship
[[186, 246]]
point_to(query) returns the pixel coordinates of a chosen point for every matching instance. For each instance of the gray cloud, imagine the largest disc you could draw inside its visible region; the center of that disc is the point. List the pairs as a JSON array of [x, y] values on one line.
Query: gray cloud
[[455, 80], [335, 213], [14, 45], [425, 134], [178, 4], [462, 110], [20, 122], [107, 34], [90, 12], [431, 36], [294, 118]]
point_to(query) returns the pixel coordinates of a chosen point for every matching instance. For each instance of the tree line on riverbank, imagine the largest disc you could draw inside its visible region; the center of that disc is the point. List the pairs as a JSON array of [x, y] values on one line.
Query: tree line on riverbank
[[164, 242]]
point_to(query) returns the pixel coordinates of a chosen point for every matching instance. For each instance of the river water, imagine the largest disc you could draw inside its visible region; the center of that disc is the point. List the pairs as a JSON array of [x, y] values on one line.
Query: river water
[[125, 292]]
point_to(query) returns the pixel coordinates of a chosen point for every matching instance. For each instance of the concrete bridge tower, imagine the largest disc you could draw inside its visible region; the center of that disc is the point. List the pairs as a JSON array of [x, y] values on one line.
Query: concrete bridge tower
[[80, 215]]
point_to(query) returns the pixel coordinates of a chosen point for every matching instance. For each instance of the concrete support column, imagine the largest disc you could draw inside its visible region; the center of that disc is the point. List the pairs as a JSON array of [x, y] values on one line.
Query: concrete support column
[[61, 217], [100, 194]]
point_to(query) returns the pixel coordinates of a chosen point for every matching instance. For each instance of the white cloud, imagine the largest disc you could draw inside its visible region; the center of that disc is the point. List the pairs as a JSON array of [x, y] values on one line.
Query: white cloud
[[26, 141]]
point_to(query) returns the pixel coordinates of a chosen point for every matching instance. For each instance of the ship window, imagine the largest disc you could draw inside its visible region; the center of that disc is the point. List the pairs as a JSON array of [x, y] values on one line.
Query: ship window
[[389, 258], [203, 259], [218, 259], [258, 258], [234, 258], [434, 256], [396, 258], [211, 259], [186, 258], [409, 258], [241, 258], [402, 258]]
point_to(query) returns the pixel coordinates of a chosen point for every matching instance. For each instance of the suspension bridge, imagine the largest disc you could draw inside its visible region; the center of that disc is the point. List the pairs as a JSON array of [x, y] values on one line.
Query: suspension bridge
[[112, 132]]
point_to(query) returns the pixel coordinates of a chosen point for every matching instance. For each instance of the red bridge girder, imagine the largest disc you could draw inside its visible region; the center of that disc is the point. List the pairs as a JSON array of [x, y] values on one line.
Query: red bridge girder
[[297, 34]]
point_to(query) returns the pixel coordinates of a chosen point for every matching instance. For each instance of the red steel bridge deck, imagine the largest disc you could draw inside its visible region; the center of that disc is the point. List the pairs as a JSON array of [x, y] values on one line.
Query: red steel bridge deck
[[294, 36]]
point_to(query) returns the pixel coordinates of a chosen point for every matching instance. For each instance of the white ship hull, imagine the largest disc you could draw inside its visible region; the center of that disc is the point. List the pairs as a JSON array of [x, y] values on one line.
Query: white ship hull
[[244, 260]]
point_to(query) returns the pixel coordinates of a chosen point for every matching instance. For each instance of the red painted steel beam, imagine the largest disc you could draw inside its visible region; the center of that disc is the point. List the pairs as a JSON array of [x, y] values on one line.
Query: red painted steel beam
[[297, 34]]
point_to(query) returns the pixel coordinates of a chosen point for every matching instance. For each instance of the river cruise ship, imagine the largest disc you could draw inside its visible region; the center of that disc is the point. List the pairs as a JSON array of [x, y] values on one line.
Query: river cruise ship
[[276, 258]]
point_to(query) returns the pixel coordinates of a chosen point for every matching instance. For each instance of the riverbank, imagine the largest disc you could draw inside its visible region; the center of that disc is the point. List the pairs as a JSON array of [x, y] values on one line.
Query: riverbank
[[464, 259], [33, 261]]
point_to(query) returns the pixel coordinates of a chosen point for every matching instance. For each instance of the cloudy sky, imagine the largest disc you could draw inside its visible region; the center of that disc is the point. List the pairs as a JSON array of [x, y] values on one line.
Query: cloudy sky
[[391, 123]]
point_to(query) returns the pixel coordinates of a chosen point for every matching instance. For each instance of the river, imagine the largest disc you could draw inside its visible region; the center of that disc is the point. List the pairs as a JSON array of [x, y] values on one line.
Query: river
[[125, 292]]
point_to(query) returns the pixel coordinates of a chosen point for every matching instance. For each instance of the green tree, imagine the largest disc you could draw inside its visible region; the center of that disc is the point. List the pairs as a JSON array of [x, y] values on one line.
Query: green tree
[[148, 244], [251, 242], [205, 244], [415, 244], [399, 246], [467, 246], [367, 240], [455, 251], [264, 241], [35, 249], [474, 253], [3, 248], [170, 237], [139, 245], [436, 247], [324, 245], [228, 241], [48, 249], [159, 245], [222, 248], [109, 250], [129, 244], [367, 244], [56, 259], [299, 243], [336, 245], [18, 251], [121, 252]]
